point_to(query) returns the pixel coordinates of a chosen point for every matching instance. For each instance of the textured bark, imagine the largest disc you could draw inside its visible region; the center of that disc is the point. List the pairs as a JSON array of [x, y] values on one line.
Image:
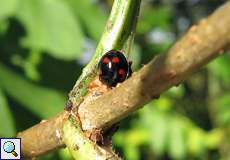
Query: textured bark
[[43, 137], [118, 34], [81, 147], [202, 43]]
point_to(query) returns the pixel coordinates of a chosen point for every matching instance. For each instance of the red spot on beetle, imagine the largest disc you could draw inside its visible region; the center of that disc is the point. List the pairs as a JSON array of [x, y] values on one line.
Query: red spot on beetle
[[115, 60], [121, 72], [106, 60]]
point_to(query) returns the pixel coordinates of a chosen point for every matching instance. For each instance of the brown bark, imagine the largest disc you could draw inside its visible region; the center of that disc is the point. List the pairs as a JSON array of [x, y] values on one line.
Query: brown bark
[[202, 43], [43, 137]]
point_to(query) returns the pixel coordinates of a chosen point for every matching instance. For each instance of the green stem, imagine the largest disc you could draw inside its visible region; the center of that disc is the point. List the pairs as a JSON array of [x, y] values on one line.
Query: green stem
[[80, 147], [118, 34]]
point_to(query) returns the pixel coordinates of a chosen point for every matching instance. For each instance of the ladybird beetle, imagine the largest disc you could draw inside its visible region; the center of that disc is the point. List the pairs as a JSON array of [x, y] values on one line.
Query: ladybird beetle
[[114, 68]]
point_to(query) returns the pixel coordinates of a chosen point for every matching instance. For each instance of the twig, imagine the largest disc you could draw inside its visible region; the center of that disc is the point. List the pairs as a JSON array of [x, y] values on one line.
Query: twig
[[118, 34], [201, 44], [81, 147], [43, 137]]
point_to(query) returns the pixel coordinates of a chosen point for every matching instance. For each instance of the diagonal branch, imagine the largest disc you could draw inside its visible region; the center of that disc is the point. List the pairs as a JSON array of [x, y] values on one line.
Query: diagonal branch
[[118, 34], [202, 43], [43, 137]]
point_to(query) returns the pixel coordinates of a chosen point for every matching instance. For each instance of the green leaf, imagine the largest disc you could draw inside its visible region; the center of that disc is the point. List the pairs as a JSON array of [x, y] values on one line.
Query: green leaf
[[213, 138], [131, 152], [7, 128], [42, 101], [64, 153], [220, 68], [196, 144], [154, 17], [29, 64], [7, 8], [177, 147], [160, 132], [222, 109], [51, 27], [93, 18], [4, 24]]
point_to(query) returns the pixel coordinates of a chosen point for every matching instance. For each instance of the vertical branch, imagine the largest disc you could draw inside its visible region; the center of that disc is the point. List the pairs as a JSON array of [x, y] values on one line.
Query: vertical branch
[[80, 147], [118, 34], [202, 43]]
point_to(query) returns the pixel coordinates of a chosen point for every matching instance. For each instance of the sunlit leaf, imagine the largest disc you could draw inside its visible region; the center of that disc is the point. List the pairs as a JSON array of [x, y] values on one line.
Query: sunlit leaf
[[7, 8], [42, 101], [154, 17], [91, 16], [159, 133], [131, 152], [164, 103], [196, 144], [213, 139], [176, 91], [29, 64], [7, 128], [220, 68], [64, 153], [51, 27], [222, 109], [177, 145], [3, 26]]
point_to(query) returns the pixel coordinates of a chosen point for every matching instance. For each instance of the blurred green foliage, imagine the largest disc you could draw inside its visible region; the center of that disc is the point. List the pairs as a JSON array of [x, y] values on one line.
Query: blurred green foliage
[[44, 44]]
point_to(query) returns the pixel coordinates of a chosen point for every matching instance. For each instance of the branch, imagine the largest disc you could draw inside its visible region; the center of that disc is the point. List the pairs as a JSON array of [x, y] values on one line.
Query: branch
[[81, 147], [201, 44], [118, 34], [43, 137]]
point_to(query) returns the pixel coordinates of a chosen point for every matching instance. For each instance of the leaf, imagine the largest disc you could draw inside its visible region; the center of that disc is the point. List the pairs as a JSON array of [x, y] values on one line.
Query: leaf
[[4, 24], [93, 18], [7, 128], [196, 144], [64, 153], [51, 27], [137, 136], [220, 68], [177, 147], [131, 152], [160, 132], [222, 109], [176, 91], [42, 101], [154, 17], [154, 118], [213, 138], [7, 8]]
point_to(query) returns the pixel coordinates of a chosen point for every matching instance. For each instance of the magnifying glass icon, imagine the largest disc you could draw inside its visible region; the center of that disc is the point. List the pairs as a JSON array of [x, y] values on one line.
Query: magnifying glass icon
[[9, 147]]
